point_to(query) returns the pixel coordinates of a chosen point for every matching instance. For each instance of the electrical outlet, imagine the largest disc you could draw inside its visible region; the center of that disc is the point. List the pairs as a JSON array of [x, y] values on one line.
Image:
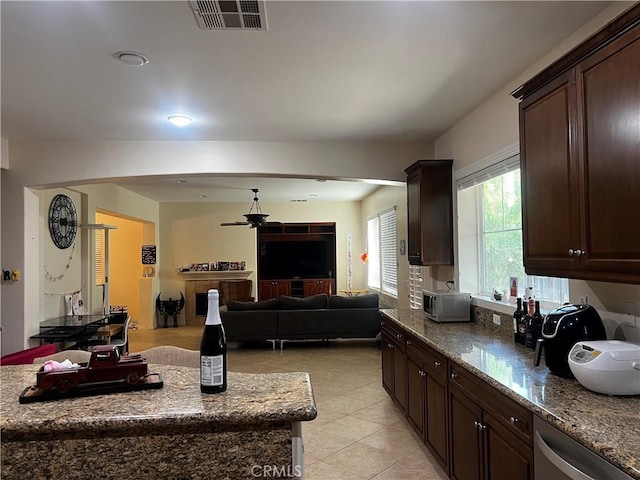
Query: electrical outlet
[[496, 319]]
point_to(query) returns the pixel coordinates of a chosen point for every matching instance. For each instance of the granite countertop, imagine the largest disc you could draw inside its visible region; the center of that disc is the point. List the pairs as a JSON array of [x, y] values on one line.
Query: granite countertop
[[250, 399], [608, 425]]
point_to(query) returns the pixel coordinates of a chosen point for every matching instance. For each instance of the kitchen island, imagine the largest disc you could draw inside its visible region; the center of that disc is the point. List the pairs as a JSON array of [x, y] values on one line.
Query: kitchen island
[[252, 429], [607, 425]]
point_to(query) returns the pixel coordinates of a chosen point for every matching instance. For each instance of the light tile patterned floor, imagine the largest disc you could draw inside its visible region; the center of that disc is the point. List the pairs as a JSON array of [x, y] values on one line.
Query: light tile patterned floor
[[359, 432]]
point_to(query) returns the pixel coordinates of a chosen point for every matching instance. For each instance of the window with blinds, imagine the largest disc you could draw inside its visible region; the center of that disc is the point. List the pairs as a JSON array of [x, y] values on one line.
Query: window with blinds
[[382, 271], [99, 256]]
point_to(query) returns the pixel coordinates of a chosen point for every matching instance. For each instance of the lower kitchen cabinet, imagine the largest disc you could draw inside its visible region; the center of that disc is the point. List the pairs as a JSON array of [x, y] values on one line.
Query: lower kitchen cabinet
[[394, 365], [427, 397], [472, 429], [490, 434]]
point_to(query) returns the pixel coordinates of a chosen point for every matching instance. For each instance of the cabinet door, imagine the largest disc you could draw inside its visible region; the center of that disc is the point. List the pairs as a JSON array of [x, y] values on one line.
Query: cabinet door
[[273, 289], [466, 439], [430, 212], [400, 376], [313, 287], [436, 422], [387, 364], [507, 456], [609, 102], [549, 173], [414, 241], [415, 394]]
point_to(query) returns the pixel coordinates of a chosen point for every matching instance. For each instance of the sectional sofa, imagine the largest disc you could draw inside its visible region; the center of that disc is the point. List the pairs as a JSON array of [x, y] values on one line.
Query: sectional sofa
[[291, 318]]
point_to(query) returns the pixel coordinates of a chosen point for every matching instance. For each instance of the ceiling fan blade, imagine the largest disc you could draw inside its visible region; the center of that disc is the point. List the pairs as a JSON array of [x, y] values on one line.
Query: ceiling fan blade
[[234, 224]]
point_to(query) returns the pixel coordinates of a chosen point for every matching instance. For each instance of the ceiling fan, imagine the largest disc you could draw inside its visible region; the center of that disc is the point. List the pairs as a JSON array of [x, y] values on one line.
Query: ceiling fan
[[253, 218]]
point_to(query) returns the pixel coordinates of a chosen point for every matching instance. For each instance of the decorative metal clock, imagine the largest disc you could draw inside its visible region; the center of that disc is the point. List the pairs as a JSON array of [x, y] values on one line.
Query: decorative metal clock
[[63, 221]]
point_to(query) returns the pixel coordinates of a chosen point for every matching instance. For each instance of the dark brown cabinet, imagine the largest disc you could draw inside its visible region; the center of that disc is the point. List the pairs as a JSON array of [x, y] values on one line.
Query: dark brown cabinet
[[296, 259], [394, 366], [430, 212], [473, 430], [273, 288], [490, 433], [313, 287], [427, 397], [580, 145]]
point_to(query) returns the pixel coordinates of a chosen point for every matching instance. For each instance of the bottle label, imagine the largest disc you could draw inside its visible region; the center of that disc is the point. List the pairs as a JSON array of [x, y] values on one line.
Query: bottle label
[[211, 370]]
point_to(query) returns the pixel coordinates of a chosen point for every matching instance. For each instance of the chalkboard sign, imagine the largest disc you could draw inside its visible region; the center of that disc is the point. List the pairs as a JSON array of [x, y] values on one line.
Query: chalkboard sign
[[148, 254]]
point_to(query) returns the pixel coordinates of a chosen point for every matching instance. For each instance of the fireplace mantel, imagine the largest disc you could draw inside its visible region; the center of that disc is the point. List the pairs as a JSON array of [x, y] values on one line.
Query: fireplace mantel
[[217, 275]]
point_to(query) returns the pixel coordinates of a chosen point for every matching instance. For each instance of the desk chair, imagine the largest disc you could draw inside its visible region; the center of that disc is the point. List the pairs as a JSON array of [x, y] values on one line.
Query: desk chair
[[170, 355], [238, 290]]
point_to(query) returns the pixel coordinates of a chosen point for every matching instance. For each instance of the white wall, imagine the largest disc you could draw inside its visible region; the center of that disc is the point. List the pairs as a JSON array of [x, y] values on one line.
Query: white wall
[[49, 164], [493, 126], [191, 233], [381, 200]]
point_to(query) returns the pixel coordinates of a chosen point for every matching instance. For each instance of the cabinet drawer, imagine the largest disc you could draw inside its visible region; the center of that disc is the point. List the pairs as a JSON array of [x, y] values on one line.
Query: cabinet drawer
[[516, 418], [434, 362], [393, 331]]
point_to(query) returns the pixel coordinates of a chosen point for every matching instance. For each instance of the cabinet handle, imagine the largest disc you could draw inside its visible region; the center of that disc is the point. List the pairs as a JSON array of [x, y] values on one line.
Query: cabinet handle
[[437, 364], [514, 420], [389, 345], [576, 253], [571, 252], [422, 374], [476, 424], [409, 342], [454, 375], [482, 426]]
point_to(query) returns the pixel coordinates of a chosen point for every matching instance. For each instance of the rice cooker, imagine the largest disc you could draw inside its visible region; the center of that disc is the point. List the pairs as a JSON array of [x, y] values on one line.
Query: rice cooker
[[607, 366]]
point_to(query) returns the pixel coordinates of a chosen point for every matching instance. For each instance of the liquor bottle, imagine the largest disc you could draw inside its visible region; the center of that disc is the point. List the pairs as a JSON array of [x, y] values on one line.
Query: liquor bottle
[[516, 322], [213, 349]]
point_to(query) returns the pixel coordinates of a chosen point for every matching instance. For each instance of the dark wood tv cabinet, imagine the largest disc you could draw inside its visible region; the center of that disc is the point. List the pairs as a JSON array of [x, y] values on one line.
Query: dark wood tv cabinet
[[296, 277]]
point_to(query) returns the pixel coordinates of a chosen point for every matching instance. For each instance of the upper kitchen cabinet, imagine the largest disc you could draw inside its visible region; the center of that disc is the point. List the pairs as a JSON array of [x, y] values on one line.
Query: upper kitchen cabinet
[[430, 212], [580, 159]]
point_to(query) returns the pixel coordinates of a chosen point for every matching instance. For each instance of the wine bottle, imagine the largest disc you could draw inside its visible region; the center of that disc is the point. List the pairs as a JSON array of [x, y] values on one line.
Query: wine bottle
[[522, 321], [529, 341], [536, 324], [213, 349], [517, 336]]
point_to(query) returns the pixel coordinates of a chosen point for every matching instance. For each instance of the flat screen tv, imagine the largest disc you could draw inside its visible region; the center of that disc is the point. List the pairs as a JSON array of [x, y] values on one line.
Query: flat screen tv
[[283, 259]]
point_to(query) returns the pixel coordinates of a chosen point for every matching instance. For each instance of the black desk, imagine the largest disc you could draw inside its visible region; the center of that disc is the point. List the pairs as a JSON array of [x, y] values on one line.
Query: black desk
[[76, 328]]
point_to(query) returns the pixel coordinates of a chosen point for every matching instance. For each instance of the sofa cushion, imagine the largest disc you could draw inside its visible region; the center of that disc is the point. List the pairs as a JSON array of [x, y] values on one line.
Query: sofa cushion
[[361, 301], [320, 300], [233, 305]]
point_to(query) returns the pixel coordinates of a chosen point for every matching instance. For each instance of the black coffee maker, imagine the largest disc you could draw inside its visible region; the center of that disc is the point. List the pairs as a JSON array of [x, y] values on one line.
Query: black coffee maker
[[562, 328]]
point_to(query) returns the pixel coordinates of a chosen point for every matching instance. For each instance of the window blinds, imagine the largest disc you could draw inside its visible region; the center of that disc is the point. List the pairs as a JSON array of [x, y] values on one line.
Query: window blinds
[[486, 169], [382, 270]]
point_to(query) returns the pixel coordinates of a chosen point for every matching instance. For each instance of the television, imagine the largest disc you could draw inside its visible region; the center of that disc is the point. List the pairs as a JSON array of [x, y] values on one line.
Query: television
[[283, 259]]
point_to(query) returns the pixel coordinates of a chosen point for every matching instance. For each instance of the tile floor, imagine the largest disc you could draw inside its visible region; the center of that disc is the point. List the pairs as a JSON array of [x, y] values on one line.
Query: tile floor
[[359, 432]]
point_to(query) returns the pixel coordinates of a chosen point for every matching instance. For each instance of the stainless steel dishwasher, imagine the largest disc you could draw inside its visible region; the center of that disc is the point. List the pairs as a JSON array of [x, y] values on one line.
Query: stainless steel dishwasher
[[559, 457]]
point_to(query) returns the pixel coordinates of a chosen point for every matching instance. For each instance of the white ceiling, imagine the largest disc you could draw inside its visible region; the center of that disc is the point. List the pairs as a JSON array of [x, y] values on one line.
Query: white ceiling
[[323, 71]]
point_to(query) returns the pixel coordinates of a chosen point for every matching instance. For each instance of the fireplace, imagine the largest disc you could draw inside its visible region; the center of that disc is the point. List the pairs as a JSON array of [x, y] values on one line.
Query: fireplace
[[196, 287]]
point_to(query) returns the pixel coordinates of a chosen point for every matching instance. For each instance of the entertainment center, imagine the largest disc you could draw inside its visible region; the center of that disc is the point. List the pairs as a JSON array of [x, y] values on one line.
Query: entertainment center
[[296, 259]]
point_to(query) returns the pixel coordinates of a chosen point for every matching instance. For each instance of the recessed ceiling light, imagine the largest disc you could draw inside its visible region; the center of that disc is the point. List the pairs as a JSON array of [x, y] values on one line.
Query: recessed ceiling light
[[313, 195], [181, 181], [201, 196], [321, 180], [133, 59], [179, 120]]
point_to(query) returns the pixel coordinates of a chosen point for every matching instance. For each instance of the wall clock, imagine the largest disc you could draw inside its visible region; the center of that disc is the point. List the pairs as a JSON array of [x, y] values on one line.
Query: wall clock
[[63, 221]]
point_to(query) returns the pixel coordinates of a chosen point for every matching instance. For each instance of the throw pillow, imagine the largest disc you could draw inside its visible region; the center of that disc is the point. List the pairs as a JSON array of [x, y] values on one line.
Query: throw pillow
[[233, 305], [360, 301], [307, 303]]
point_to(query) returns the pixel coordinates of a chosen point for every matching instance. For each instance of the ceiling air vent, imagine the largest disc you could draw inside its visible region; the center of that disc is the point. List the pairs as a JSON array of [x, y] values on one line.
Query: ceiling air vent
[[230, 14]]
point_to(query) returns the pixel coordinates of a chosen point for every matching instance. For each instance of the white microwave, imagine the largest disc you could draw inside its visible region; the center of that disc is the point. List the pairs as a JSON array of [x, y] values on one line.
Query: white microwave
[[447, 306]]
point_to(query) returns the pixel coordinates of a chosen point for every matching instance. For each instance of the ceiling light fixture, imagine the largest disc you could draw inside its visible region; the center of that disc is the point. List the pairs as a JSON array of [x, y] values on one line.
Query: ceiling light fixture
[[133, 59], [181, 181], [179, 120]]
